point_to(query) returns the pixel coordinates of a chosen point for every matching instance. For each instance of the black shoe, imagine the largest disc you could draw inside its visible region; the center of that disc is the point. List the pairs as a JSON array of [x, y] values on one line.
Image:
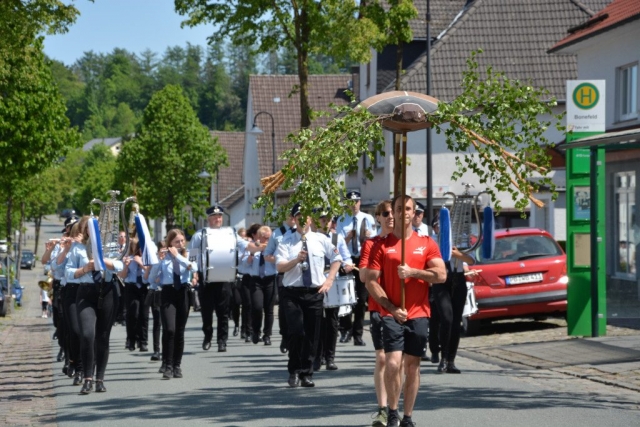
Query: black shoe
[[222, 347], [77, 380], [87, 387], [267, 340], [442, 367], [343, 336], [155, 356], [358, 341], [206, 344], [348, 336], [393, 420], [316, 365], [177, 372], [100, 388], [331, 366], [255, 338], [236, 331], [283, 346], [451, 368], [60, 355], [55, 336], [306, 382], [65, 369], [163, 368], [248, 338], [71, 371], [435, 358], [294, 380], [168, 373], [143, 348], [127, 344], [243, 335], [407, 423]]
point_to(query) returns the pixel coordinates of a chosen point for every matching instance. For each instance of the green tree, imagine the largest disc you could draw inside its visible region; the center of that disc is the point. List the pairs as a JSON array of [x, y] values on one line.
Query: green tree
[[97, 176], [332, 27], [42, 197], [218, 106], [163, 161]]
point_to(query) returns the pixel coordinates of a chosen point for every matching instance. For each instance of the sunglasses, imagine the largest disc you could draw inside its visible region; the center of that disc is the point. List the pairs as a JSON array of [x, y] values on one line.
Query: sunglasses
[[385, 213]]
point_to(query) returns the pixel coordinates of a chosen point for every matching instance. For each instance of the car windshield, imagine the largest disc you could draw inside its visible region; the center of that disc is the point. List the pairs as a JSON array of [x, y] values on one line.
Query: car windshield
[[27, 255], [519, 248]]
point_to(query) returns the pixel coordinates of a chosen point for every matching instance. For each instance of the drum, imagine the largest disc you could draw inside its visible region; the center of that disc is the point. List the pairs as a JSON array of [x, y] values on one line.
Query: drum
[[470, 305], [343, 292], [221, 254], [345, 310]]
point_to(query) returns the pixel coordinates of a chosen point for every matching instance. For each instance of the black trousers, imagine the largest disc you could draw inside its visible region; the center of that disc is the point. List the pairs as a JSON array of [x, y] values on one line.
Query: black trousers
[[236, 302], [174, 311], [245, 295], [72, 324], [447, 306], [282, 318], [303, 309], [137, 313], [58, 314], [215, 296], [328, 334], [121, 310], [95, 326], [153, 302], [262, 299], [357, 325]]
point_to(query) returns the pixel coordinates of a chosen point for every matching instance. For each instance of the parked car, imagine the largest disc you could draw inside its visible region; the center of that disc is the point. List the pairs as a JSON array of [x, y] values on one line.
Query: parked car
[[4, 292], [28, 260], [66, 213], [3, 246], [526, 277]]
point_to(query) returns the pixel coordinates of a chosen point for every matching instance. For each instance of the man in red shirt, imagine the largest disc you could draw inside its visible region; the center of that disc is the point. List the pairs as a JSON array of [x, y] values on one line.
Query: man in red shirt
[[404, 329]]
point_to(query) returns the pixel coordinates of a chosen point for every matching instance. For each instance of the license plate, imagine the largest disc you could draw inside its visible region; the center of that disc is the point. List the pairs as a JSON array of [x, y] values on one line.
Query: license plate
[[524, 278]]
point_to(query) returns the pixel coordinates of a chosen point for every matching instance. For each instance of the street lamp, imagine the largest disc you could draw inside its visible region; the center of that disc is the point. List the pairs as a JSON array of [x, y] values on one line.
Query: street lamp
[[206, 175], [255, 130]]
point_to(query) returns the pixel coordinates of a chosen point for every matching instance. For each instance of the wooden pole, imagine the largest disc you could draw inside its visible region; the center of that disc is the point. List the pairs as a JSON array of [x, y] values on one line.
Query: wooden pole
[[404, 191]]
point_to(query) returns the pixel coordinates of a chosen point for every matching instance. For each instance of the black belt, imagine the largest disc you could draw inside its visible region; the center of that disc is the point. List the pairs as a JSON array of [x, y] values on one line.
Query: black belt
[[271, 276], [303, 289]]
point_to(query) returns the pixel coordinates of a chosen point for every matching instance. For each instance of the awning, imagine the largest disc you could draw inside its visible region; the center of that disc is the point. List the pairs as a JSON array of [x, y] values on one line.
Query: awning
[[626, 139]]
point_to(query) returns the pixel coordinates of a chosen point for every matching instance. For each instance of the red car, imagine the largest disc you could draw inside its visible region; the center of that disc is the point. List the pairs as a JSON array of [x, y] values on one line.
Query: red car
[[526, 277]]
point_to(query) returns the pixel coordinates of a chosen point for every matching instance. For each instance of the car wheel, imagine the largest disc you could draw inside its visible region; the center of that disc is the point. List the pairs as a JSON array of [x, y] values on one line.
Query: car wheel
[[470, 327]]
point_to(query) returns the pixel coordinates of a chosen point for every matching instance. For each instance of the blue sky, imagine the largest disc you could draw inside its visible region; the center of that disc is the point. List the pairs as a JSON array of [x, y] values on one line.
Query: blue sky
[[134, 25]]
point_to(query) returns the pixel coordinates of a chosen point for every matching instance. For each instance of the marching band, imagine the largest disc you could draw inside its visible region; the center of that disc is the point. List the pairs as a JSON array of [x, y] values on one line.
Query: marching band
[[316, 273]]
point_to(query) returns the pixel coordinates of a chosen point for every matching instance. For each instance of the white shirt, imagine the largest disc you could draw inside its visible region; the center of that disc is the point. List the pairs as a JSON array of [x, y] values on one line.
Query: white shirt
[[345, 225], [318, 245]]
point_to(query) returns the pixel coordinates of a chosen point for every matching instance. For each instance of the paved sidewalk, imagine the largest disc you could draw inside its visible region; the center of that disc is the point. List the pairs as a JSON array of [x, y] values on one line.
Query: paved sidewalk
[[27, 394]]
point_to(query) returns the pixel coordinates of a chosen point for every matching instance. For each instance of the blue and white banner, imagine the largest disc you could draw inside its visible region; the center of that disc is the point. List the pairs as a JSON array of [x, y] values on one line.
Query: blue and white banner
[[488, 234], [96, 245], [444, 238], [148, 248]]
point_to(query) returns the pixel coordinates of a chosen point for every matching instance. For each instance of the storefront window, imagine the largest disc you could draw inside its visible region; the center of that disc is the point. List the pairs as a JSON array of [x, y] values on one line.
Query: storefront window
[[625, 206]]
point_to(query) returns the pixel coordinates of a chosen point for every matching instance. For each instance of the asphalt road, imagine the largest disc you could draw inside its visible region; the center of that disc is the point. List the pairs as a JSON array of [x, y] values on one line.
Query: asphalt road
[[247, 387]]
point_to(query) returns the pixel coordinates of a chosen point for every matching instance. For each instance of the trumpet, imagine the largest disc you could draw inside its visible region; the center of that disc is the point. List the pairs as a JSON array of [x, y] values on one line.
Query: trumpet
[[46, 285]]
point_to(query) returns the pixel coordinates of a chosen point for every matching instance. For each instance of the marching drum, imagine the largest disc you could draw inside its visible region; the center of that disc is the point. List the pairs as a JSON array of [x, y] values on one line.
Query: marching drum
[[470, 305], [343, 292], [221, 254]]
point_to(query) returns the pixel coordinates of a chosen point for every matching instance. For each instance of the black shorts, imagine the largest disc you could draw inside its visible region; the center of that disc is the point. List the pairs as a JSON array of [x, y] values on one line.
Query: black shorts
[[376, 330], [410, 337]]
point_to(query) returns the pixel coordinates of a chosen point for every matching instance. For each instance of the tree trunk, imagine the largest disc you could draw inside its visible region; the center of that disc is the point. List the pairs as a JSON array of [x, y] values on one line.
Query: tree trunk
[[38, 223], [19, 254], [303, 33], [170, 216], [399, 51]]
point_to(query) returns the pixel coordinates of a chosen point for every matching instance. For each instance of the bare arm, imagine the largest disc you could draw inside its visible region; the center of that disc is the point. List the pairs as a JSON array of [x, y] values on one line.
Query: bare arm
[[435, 273], [380, 296]]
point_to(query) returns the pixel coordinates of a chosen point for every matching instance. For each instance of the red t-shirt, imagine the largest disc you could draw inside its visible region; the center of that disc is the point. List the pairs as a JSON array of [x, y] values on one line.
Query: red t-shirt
[[385, 257], [364, 263]]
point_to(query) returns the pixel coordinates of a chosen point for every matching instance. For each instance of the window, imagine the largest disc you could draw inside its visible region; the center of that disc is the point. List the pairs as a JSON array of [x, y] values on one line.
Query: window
[[628, 92], [625, 207]]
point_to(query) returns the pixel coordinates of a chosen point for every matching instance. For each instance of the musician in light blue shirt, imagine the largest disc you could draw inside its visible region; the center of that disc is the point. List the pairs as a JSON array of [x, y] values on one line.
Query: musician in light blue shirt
[[96, 302], [174, 270], [262, 287], [135, 295]]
